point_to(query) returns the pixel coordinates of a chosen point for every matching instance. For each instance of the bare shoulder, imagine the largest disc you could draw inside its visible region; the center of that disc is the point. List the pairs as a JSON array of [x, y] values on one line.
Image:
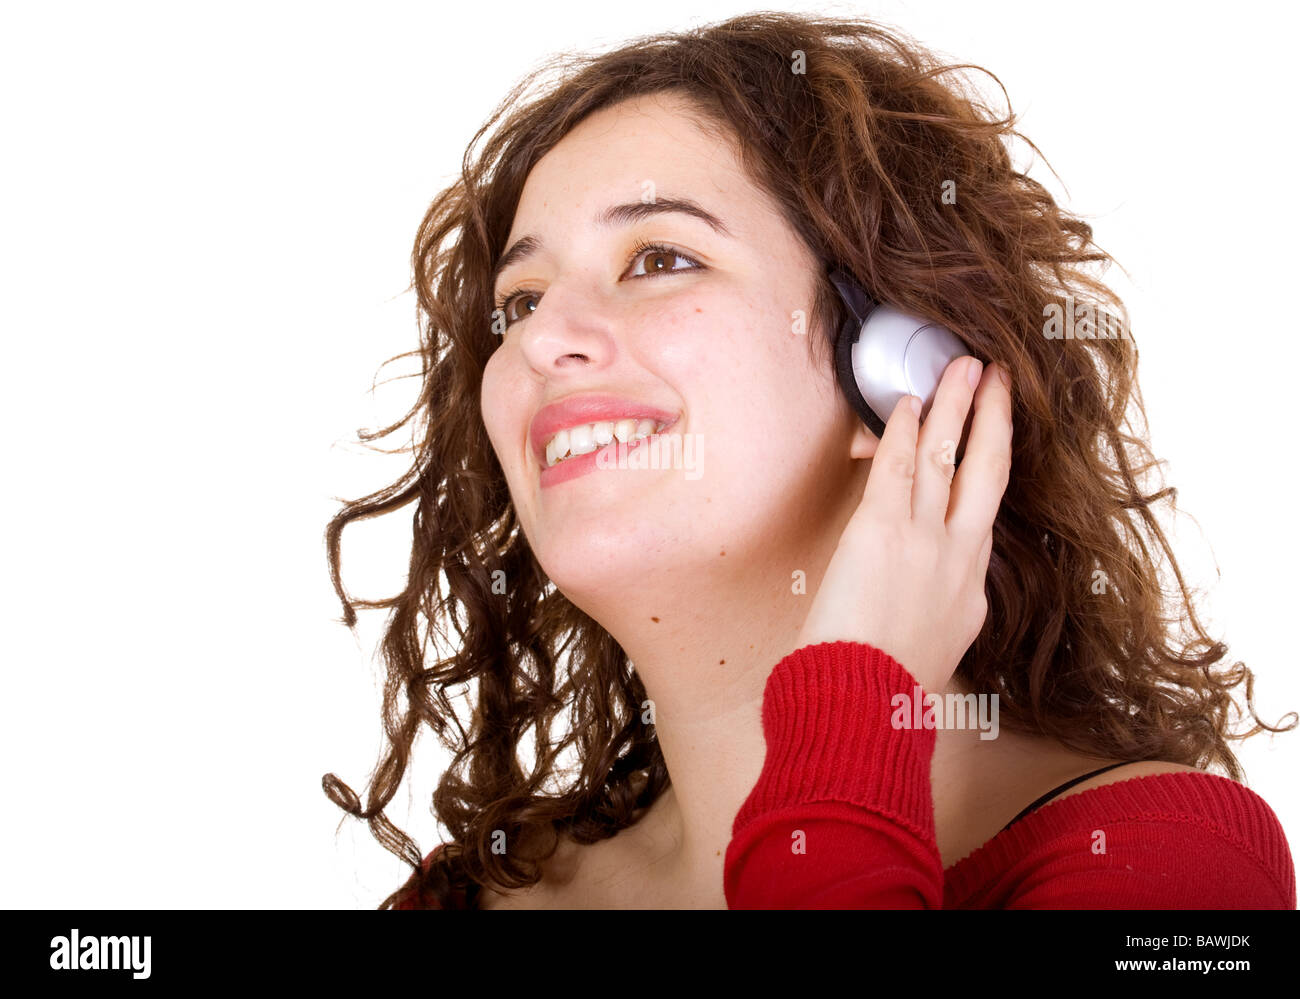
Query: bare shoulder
[[534, 897], [607, 874], [633, 869]]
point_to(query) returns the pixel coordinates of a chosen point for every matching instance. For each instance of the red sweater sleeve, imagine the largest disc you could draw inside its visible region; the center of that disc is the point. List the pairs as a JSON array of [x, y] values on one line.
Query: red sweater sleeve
[[842, 814]]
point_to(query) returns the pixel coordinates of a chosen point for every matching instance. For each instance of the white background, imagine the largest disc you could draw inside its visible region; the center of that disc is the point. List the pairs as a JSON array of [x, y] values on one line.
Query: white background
[[208, 212]]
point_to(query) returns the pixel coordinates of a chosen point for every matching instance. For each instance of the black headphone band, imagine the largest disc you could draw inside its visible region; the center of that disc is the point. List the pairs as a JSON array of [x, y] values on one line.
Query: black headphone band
[[858, 304]]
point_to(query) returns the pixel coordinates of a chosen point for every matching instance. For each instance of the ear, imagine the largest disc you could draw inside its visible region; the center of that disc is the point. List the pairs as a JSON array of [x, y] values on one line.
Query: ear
[[864, 443]]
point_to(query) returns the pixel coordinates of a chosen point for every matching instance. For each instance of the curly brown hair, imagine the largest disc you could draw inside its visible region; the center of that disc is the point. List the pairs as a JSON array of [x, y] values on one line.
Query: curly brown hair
[[853, 146]]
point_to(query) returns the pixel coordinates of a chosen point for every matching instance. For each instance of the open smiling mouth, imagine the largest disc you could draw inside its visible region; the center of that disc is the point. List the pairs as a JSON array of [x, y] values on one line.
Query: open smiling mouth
[[589, 437], [627, 434]]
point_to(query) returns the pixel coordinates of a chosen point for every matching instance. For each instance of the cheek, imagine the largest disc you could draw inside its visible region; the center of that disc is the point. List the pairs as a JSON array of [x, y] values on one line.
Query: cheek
[[494, 402], [729, 353], [745, 376], [713, 337]]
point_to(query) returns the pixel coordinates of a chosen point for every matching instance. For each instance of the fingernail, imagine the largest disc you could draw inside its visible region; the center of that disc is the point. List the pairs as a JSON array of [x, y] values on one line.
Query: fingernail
[[973, 371], [915, 403], [1005, 375]]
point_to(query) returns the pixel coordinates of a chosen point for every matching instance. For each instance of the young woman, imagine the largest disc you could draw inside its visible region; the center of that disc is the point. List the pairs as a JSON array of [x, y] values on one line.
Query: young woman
[[713, 680]]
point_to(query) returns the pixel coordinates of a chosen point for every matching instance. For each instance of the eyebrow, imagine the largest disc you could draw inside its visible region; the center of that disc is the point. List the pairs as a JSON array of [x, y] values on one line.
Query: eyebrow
[[624, 214]]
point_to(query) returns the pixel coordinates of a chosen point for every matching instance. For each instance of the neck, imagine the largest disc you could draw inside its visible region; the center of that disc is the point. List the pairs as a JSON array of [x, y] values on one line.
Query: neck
[[705, 664], [708, 722]]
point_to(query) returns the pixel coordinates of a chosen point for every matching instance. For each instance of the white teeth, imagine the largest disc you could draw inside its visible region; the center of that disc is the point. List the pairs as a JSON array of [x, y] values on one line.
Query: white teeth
[[581, 440], [586, 438], [558, 447], [625, 430]]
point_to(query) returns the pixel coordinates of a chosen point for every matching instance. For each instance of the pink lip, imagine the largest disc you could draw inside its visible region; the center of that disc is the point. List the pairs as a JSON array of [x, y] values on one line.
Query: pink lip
[[581, 464], [590, 407]]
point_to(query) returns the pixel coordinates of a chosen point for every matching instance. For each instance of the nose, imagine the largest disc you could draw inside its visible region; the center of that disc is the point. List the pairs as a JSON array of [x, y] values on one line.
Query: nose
[[570, 328]]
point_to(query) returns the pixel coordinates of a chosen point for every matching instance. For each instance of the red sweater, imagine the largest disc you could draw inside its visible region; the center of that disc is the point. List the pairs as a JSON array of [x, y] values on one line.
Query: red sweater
[[842, 818]]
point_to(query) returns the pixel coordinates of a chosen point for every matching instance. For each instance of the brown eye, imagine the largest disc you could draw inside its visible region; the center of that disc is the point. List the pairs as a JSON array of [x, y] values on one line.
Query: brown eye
[[526, 297], [509, 303], [661, 260]]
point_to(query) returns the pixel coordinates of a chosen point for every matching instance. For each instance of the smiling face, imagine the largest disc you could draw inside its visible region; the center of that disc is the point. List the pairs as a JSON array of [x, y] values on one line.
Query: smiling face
[[702, 329]]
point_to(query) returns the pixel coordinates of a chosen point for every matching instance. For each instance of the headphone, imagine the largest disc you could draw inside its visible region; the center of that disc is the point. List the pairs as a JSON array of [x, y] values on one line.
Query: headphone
[[883, 354]]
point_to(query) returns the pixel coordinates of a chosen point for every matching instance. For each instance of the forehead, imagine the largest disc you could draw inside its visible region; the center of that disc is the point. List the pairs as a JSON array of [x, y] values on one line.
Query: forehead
[[636, 150]]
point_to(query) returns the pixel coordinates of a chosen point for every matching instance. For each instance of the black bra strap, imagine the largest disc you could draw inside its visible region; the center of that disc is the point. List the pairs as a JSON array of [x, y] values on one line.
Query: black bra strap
[[1062, 787]]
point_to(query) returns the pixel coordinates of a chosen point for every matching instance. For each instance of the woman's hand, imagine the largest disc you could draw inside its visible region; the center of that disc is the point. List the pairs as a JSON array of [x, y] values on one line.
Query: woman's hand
[[908, 574]]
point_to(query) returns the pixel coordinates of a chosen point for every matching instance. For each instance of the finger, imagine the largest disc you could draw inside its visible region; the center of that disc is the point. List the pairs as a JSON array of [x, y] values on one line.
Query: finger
[[940, 434], [889, 484], [986, 466]]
